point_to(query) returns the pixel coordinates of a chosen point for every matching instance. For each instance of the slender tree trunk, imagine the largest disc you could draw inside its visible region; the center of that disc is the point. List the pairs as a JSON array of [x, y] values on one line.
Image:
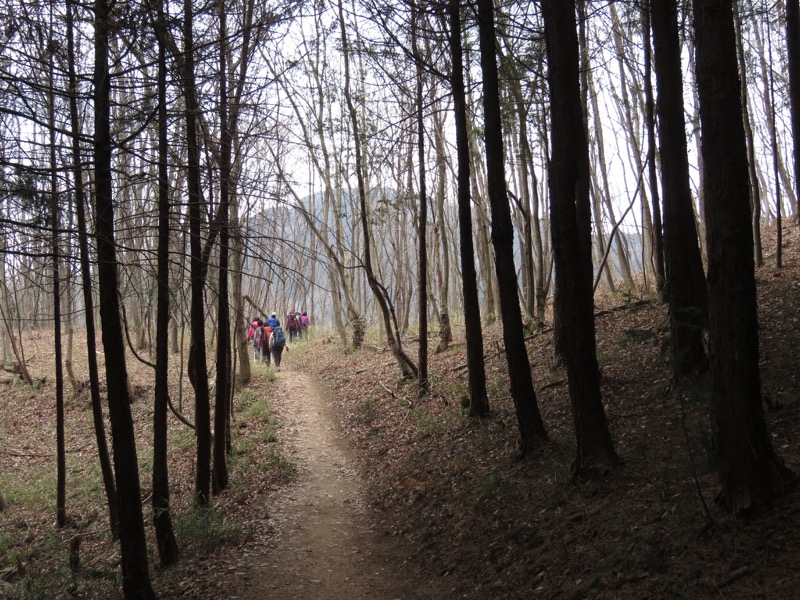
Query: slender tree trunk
[[478, 400], [423, 384], [685, 290], [407, 368], [656, 233], [569, 191], [162, 514], [135, 572], [445, 331], [755, 189], [587, 89], [86, 274], [198, 374], [531, 427], [751, 472], [793, 51], [768, 101], [61, 459], [220, 471]]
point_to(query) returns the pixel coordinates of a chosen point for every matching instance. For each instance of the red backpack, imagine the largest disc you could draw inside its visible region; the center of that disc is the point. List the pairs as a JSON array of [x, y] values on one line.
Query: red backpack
[[252, 331], [265, 333]]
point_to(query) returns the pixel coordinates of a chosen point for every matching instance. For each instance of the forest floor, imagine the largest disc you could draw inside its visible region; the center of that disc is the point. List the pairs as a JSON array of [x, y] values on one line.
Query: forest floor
[[345, 485]]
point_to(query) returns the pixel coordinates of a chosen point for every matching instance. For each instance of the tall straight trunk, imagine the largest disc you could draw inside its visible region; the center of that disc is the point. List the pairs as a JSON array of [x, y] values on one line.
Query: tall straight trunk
[[750, 470], [445, 331], [685, 285], [5, 298], [531, 427], [61, 459], [223, 385], [752, 165], [628, 85], [656, 233], [478, 400], [479, 194], [602, 191], [423, 384], [162, 513], [768, 101], [135, 572], [407, 368], [569, 191], [587, 88], [793, 51], [86, 282], [198, 374]]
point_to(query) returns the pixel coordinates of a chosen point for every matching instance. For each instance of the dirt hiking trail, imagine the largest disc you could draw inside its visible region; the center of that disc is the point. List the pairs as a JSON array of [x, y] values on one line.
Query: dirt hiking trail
[[324, 547]]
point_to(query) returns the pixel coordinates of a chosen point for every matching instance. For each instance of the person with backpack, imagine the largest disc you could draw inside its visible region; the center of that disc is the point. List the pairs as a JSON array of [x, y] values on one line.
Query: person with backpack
[[266, 332], [273, 321], [305, 323], [293, 325], [254, 334], [277, 343]]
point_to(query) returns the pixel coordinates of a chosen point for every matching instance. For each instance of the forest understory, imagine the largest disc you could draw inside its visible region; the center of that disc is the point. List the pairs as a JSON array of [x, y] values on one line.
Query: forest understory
[[464, 513]]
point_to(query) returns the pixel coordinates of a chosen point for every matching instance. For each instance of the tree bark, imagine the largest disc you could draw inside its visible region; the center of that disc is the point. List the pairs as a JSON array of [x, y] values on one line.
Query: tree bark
[[135, 573], [569, 191], [61, 459], [531, 427], [478, 400], [86, 275], [656, 233], [793, 51], [223, 385], [750, 471], [162, 514], [423, 385], [198, 375], [685, 285], [752, 163]]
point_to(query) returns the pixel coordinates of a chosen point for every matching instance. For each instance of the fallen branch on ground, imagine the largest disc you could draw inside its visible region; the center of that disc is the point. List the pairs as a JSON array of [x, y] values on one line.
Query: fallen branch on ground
[[395, 396]]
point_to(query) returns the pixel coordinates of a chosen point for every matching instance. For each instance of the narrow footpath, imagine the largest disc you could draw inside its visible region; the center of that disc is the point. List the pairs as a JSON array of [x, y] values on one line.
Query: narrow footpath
[[324, 548]]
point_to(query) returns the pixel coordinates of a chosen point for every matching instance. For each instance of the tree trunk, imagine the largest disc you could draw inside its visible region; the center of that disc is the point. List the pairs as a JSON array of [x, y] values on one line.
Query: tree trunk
[[443, 262], [569, 191], [752, 164], [478, 400], [198, 374], [223, 386], [793, 51], [531, 427], [750, 471], [423, 385], [407, 368], [61, 459], [162, 514], [135, 573], [86, 275], [685, 285], [656, 233]]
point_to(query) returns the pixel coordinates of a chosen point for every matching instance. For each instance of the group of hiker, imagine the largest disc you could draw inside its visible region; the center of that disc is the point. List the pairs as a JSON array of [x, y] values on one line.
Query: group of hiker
[[269, 337]]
